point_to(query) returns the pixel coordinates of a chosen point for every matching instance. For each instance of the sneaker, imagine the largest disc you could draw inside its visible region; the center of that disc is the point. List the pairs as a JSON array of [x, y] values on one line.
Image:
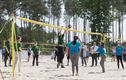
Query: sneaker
[[5, 66], [103, 71], [62, 66]]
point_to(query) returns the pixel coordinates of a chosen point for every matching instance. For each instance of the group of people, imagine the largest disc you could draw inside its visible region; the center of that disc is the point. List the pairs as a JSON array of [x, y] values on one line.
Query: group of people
[[7, 53], [75, 48]]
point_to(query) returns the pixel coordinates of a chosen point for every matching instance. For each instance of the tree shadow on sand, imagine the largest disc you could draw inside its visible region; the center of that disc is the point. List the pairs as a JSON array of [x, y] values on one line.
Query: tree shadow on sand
[[48, 70], [114, 69], [123, 75], [63, 75], [95, 72]]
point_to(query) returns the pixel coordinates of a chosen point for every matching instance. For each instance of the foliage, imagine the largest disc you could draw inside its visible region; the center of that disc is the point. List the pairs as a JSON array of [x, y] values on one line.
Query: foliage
[[35, 9], [71, 7], [36, 34], [98, 12], [55, 7]]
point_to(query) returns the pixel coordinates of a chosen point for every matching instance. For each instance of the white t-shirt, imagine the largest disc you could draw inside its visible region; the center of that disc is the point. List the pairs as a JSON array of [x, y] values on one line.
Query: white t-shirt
[[94, 49], [84, 50], [113, 51]]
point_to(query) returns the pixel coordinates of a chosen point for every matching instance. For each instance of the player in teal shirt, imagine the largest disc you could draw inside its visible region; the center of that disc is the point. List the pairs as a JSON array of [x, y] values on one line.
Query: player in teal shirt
[[119, 50], [119, 53], [102, 51], [74, 54], [74, 48]]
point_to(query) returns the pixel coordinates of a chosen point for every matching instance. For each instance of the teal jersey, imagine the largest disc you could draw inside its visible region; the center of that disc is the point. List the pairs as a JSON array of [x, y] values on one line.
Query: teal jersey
[[74, 49]]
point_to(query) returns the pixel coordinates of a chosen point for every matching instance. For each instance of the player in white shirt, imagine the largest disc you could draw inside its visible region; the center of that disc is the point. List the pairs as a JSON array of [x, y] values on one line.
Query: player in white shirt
[[83, 57], [94, 54]]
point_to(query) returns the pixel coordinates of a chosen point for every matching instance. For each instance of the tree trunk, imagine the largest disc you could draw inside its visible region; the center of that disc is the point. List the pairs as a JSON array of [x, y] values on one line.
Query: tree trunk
[[74, 33], [76, 27], [53, 30], [69, 35], [113, 27], [119, 26], [58, 21], [84, 29], [113, 31], [116, 34], [122, 26], [21, 23]]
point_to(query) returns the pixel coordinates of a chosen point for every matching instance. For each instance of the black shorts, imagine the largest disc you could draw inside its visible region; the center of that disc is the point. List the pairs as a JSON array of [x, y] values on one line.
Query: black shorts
[[60, 54], [94, 55], [29, 53], [113, 55]]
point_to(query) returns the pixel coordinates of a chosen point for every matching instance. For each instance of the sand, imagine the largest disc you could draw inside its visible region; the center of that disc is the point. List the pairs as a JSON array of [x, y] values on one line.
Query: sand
[[47, 70]]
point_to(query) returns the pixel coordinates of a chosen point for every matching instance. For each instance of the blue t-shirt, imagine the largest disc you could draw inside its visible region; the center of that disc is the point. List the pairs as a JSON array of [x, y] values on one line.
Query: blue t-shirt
[[3, 51], [119, 50], [101, 50], [29, 50], [74, 49]]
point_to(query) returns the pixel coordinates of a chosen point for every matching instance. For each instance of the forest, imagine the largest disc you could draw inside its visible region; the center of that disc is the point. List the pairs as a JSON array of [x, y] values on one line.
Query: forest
[[101, 15]]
